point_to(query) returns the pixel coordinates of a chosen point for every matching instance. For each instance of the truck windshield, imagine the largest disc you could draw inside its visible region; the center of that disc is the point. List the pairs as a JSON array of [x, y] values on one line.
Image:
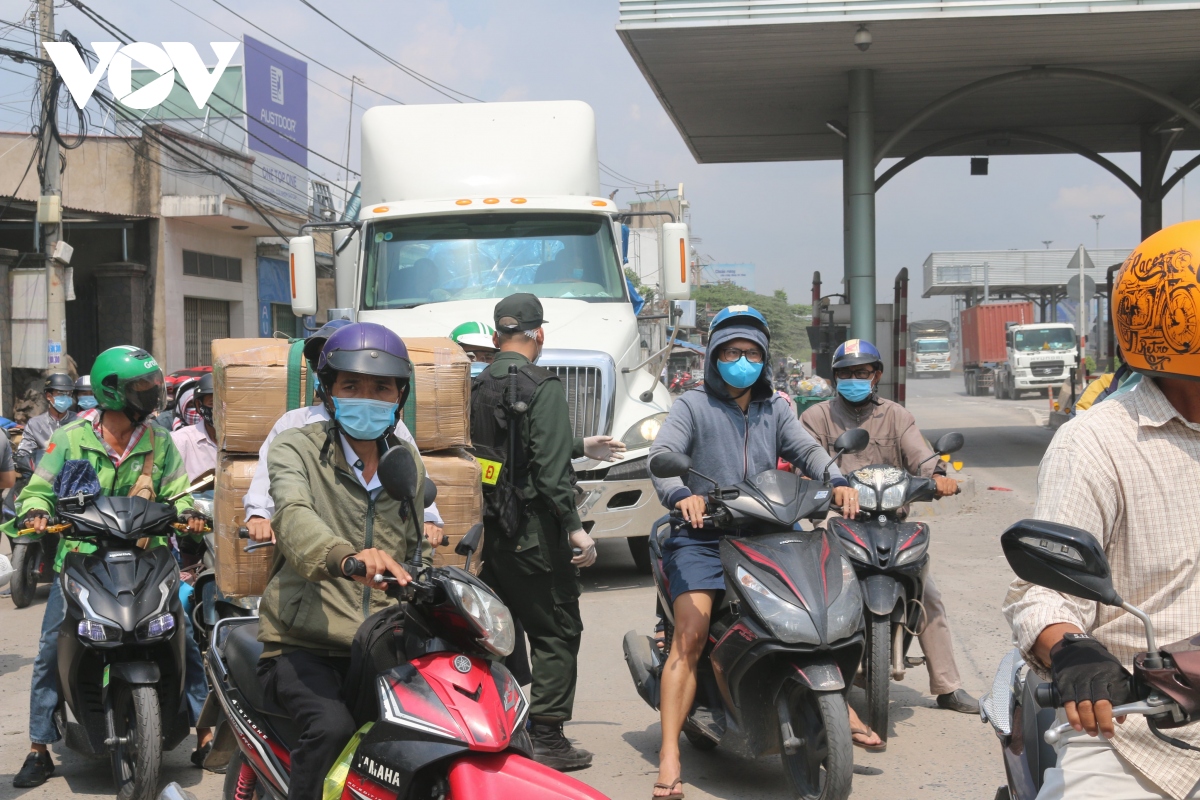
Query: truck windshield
[[932, 346], [1044, 339], [411, 262]]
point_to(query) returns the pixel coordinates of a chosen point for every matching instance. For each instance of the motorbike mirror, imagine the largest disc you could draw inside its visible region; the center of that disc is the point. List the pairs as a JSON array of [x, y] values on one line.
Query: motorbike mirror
[[670, 465], [1060, 557], [203, 483], [949, 443], [430, 492], [854, 440], [398, 474], [469, 543]]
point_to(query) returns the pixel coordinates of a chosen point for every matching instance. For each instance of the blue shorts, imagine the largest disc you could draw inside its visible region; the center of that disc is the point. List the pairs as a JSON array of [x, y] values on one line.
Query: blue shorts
[[692, 564]]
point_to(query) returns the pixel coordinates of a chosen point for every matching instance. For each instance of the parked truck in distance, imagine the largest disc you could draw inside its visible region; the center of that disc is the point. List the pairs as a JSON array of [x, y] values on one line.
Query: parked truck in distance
[[929, 348], [1006, 353], [465, 204]]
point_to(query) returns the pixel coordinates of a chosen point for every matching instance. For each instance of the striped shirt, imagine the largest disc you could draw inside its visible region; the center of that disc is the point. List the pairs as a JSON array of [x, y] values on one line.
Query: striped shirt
[[1127, 472]]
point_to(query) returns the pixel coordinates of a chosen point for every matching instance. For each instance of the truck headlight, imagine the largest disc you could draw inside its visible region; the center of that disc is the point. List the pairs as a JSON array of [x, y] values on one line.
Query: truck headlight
[[644, 433]]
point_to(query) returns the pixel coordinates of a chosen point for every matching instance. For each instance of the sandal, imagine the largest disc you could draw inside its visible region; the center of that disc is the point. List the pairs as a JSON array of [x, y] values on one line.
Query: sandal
[[674, 795], [866, 733]]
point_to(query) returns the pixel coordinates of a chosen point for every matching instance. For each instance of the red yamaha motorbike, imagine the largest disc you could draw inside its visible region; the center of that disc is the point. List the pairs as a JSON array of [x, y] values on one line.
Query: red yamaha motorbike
[[451, 721]]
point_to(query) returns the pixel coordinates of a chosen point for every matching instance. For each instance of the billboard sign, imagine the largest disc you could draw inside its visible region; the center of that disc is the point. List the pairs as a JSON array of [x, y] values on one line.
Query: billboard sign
[[738, 274], [276, 102]]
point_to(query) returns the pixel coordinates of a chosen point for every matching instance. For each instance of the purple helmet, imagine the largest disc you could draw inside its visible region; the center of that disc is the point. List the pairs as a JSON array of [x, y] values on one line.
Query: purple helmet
[[364, 348]]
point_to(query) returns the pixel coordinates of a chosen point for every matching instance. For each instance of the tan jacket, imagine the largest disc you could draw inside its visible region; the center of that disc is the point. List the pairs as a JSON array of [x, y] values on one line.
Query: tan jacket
[[895, 438], [322, 515]]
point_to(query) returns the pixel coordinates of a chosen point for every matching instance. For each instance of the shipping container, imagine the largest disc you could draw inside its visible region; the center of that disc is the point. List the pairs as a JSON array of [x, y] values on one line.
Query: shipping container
[[981, 337]]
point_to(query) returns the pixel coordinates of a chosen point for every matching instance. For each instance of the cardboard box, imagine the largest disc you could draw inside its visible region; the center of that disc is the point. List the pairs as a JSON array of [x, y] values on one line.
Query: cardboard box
[[250, 388], [239, 574], [440, 416], [459, 499]]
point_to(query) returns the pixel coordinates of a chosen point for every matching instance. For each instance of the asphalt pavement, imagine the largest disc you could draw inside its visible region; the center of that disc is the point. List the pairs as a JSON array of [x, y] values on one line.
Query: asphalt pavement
[[931, 753]]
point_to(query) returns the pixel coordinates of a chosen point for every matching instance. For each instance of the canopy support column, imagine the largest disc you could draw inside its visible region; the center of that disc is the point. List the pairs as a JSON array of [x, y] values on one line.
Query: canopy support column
[[1152, 189], [860, 191]]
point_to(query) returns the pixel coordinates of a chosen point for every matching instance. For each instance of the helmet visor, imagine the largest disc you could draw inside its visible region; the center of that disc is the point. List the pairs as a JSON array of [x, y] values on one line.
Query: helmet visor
[[144, 394]]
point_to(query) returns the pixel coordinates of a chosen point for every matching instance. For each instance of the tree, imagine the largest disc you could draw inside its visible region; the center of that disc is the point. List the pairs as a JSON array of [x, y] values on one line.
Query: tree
[[647, 292], [788, 322]]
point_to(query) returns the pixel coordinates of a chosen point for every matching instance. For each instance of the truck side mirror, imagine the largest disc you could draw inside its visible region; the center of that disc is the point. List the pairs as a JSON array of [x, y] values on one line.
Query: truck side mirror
[[302, 263], [677, 283]]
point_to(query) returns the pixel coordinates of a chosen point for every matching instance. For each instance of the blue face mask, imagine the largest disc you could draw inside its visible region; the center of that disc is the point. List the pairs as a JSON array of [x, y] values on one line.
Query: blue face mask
[[364, 419], [854, 389], [63, 403], [739, 374], [477, 368], [87, 402]]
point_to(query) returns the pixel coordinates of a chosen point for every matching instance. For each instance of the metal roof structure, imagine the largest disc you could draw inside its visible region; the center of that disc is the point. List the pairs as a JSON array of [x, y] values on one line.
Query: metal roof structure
[[757, 80], [1017, 272]]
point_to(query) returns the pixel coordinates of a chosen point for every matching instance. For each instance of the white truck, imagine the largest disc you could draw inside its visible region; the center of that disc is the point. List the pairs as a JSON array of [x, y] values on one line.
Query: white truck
[[466, 204], [1038, 356], [929, 348]]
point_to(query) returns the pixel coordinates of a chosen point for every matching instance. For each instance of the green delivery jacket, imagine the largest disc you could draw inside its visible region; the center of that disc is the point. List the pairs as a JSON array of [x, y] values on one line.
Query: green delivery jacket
[[78, 441]]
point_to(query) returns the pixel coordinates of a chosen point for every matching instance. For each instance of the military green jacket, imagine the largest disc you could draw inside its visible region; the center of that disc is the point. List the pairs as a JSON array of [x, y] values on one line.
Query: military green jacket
[[322, 515], [78, 440]]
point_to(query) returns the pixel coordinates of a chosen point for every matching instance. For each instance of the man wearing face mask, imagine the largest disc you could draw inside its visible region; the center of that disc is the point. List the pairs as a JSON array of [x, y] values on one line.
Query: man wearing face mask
[[85, 400], [60, 395], [895, 440]]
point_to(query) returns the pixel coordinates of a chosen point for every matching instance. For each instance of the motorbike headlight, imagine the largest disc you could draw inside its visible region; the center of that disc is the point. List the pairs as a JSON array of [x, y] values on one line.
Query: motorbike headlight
[[789, 621], [644, 433], [913, 552], [867, 499], [893, 496], [93, 631], [845, 613], [155, 626], [492, 620]]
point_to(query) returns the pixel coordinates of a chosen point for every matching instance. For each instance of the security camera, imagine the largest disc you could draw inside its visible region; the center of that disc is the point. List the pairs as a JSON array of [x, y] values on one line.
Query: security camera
[[862, 38]]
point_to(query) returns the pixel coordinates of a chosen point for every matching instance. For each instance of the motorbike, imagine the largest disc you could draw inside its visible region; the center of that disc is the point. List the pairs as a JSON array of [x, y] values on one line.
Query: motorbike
[[451, 719], [891, 557], [32, 556], [1021, 707], [121, 648], [785, 633]]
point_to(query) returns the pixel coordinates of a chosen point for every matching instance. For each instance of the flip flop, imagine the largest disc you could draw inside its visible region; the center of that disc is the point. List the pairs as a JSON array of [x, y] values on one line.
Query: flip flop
[[866, 732], [674, 795]]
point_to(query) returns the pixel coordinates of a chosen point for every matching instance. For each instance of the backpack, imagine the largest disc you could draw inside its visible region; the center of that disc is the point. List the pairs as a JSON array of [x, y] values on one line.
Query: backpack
[[377, 647]]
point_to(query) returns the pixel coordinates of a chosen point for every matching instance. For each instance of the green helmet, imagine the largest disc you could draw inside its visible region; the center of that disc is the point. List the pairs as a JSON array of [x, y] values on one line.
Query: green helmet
[[127, 378], [474, 334]]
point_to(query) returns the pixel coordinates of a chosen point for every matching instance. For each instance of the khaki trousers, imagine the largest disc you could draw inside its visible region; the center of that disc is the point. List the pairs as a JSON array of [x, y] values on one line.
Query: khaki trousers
[[936, 643], [1089, 769]]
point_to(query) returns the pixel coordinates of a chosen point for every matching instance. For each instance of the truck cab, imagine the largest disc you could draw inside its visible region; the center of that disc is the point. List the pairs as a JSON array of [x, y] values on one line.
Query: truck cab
[[1039, 356], [931, 356], [465, 204]]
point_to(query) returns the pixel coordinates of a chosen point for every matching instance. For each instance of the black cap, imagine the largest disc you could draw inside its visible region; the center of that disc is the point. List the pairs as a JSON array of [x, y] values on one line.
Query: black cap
[[519, 312]]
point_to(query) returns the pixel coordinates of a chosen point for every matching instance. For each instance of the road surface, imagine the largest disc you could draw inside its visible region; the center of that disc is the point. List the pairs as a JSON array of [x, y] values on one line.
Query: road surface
[[932, 754]]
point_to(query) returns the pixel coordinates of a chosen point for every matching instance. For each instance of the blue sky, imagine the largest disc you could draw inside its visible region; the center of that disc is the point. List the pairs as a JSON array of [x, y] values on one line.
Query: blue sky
[[783, 217]]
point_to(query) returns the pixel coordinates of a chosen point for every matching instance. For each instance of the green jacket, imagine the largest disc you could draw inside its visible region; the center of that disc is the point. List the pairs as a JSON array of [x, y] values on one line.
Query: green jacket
[[322, 515], [78, 440]]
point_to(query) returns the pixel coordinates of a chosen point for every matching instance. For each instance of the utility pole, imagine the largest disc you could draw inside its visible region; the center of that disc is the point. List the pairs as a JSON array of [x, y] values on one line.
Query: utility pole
[[50, 203], [1047, 242]]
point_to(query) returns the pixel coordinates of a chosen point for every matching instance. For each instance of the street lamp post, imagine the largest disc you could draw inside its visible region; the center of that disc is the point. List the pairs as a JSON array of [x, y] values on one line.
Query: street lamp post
[[1097, 217]]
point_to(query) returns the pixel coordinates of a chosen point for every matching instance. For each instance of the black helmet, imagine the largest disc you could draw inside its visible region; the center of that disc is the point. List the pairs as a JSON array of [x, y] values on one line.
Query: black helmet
[[205, 387], [315, 343], [60, 382], [206, 384]]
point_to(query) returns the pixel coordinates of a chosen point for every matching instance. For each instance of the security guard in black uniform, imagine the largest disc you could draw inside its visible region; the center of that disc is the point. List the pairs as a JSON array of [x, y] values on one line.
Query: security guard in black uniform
[[531, 525]]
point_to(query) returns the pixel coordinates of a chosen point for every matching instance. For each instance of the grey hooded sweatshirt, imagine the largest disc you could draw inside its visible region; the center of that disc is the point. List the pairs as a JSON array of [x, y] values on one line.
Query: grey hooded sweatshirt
[[727, 445]]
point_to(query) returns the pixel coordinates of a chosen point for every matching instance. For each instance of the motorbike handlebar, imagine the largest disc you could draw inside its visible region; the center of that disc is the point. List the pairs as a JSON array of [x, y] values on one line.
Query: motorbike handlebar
[[65, 526], [1047, 696]]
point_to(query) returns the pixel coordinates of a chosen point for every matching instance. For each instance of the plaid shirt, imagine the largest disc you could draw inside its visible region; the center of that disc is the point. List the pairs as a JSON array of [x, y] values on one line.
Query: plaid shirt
[[1127, 471], [134, 438]]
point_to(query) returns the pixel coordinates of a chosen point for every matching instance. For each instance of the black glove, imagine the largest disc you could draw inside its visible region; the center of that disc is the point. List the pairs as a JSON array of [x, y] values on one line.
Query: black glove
[[189, 514], [32, 515], [1084, 670]]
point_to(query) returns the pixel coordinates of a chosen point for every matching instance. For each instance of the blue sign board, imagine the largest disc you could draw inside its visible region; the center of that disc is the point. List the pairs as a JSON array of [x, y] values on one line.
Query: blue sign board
[[276, 102]]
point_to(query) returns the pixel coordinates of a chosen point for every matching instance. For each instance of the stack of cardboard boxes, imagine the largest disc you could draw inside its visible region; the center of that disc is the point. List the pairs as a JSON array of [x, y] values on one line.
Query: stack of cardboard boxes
[[250, 379]]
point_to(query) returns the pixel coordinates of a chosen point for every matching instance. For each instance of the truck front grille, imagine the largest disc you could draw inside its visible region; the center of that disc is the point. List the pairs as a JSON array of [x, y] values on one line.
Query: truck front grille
[[589, 379], [1047, 369]]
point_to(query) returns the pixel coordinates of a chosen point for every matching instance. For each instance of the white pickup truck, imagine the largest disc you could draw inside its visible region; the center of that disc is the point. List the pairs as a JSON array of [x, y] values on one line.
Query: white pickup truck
[[465, 204]]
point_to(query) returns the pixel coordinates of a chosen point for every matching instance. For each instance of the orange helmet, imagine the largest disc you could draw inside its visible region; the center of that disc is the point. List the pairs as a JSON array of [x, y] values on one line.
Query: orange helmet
[[1156, 304]]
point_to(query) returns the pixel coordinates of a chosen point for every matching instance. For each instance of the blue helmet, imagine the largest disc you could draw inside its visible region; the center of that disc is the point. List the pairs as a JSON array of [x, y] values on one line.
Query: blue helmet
[[739, 315], [855, 352]]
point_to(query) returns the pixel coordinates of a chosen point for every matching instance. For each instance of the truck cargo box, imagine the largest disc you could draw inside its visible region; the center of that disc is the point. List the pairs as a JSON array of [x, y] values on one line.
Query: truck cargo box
[[982, 330]]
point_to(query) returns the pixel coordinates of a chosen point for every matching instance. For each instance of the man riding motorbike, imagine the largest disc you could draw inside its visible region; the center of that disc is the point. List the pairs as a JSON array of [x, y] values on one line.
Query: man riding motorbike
[[198, 443], [329, 506], [86, 405], [895, 440], [130, 458], [1123, 472], [735, 412], [60, 397]]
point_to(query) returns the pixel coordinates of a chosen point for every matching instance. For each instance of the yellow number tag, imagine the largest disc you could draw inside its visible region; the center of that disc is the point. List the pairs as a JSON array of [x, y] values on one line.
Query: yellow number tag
[[491, 471]]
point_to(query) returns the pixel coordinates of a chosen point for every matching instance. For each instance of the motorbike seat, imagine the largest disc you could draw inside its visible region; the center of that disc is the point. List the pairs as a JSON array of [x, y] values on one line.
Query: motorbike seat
[[242, 651]]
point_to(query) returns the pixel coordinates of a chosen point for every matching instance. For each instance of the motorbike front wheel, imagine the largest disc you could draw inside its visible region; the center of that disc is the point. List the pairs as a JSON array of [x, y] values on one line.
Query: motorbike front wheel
[[25, 561], [823, 767], [137, 755], [878, 668]]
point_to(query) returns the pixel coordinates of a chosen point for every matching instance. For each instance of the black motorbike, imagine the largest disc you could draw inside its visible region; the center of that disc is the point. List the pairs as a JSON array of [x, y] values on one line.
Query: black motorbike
[[1021, 706], [891, 557], [121, 646], [786, 633], [32, 556]]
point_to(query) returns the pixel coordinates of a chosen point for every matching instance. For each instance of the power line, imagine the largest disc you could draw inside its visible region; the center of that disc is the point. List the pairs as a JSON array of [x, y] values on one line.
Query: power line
[[430, 82]]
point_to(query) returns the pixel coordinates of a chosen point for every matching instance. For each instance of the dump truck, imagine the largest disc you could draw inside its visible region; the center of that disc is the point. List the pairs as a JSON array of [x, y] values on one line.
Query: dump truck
[[929, 348]]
